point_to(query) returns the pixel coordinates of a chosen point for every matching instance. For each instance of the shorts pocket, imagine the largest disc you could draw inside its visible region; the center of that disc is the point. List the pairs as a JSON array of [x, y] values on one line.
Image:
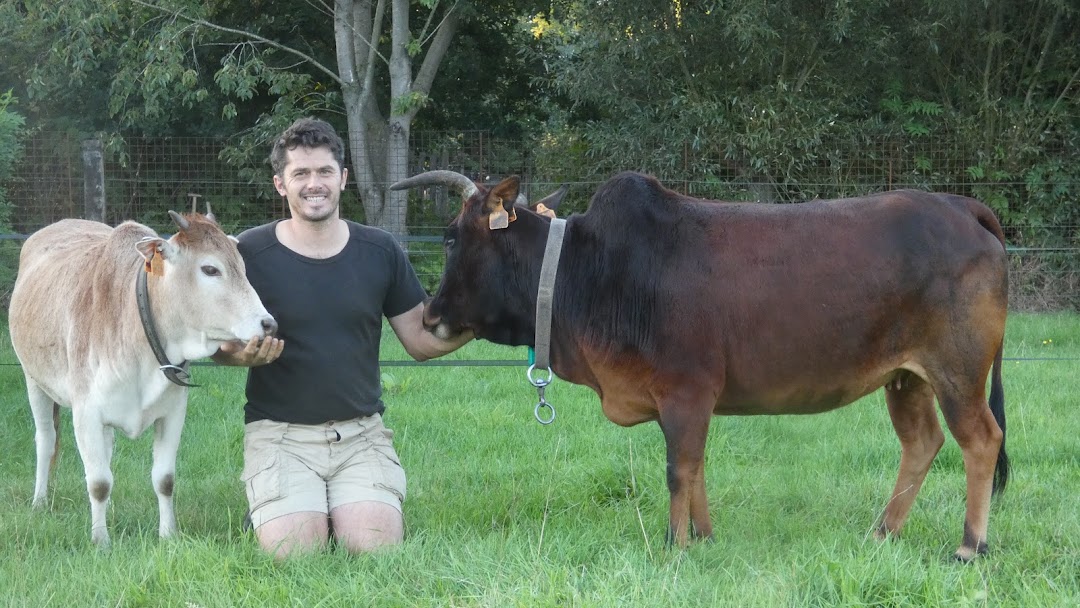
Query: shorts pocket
[[384, 444], [264, 480], [393, 475]]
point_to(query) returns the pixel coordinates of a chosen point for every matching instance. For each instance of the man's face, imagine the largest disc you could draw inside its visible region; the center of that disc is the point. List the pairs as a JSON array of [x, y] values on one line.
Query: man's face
[[312, 181]]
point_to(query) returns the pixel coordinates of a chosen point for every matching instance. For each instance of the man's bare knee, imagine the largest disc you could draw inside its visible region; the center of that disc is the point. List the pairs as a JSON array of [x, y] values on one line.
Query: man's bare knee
[[293, 534], [367, 526]]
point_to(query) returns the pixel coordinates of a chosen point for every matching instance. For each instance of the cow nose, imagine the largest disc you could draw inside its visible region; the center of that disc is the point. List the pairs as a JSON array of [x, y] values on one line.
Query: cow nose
[[269, 326]]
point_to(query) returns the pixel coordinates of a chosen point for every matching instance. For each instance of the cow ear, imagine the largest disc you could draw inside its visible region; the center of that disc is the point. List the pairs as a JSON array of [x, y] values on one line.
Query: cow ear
[[499, 202], [154, 244], [547, 205], [154, 251]]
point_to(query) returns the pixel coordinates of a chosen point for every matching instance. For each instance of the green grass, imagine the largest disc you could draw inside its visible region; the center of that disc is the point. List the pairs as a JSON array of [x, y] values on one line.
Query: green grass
[[504, 512]]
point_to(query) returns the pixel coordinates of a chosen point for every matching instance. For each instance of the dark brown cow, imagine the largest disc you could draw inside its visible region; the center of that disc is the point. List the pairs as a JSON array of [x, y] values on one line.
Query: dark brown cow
[[674, 309]]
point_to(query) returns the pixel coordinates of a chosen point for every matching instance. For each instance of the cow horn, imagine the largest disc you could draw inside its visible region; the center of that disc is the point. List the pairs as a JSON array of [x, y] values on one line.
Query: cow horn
[[180, 220], [210, 213], [451, 179]]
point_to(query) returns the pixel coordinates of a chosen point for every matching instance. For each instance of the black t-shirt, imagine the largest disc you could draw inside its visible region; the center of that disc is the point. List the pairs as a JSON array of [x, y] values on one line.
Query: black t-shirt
[[329, 313]]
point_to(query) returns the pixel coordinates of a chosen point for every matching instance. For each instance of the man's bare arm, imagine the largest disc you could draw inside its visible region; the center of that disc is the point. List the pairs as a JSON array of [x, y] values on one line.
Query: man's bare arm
[[420, 343]]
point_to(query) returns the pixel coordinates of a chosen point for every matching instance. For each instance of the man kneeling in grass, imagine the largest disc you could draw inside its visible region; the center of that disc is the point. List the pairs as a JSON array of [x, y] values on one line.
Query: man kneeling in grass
[[317, 457]]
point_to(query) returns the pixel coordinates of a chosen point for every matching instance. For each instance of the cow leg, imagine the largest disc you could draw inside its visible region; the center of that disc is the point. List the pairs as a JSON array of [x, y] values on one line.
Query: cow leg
[[46, 438], [972, 424], [686, 427], [163, 475], [95, 442], [914, 418]]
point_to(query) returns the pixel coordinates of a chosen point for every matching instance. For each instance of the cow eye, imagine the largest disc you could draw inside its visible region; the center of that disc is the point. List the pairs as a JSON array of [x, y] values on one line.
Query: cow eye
[[211, 271], [448, 243]]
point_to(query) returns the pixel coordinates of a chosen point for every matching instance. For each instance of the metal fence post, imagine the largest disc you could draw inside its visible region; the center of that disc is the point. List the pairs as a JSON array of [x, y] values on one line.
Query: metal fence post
[[93, 180]]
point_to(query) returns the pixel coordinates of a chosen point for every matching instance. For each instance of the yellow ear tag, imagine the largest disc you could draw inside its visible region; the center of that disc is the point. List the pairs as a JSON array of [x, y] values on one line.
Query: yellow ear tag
[[156, 265], [498, 219]]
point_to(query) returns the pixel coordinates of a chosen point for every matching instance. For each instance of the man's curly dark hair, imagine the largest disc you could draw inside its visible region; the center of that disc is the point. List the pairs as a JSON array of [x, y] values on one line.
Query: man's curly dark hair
[[310, 133]]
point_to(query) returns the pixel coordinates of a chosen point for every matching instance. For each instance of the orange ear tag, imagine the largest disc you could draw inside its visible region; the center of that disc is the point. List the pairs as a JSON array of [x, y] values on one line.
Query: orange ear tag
[[156, 265], [542, 209], [498, 219]]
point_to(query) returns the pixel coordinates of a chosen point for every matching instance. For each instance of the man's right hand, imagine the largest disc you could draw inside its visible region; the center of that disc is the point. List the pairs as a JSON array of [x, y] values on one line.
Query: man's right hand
[[256, 352]]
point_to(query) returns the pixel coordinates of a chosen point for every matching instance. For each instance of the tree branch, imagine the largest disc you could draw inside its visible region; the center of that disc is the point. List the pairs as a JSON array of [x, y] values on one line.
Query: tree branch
[[343, 39], [1064, 93], [1042, 58], [281, 47], [444, 34]]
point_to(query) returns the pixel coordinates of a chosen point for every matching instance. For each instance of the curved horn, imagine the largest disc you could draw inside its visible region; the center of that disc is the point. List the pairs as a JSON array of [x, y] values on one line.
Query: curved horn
[[451, 179], [180, 220]]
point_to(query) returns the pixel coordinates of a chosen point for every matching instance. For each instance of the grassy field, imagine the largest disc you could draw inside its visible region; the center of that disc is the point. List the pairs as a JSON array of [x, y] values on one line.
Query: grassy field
[[504, 512]]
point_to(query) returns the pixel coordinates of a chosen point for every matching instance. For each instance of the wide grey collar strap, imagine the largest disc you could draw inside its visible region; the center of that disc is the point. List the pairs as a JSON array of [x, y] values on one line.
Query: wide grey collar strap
[[547, 289], [177, 374]]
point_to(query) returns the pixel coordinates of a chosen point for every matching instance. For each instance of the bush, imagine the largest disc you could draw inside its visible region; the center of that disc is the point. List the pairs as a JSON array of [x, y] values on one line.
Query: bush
[[11, 131]]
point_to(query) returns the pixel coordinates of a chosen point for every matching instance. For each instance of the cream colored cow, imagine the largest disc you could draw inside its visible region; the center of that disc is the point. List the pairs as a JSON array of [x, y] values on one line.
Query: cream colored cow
[[76, 327]]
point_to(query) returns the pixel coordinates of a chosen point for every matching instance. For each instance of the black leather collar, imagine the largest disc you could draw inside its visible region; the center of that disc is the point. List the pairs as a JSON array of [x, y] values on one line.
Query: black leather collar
[[177, 374]]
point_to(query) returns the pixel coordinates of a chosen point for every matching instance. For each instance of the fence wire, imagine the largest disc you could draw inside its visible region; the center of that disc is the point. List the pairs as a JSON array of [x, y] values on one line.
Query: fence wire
[[145, 177]]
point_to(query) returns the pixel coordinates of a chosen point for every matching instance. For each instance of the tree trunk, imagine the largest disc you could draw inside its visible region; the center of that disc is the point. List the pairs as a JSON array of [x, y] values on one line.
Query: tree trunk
[[379, 144]]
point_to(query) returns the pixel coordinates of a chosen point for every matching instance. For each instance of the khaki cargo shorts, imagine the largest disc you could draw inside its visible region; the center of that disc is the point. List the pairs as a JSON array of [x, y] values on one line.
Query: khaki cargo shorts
[[292, 468]]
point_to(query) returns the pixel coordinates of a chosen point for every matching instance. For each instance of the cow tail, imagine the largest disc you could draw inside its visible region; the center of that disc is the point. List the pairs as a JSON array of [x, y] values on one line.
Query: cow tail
[[986, 218], [990, 222], [997, 408]]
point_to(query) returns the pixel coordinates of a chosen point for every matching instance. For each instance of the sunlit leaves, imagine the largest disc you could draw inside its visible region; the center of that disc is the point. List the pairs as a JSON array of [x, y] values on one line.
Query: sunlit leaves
[[403, 104], [414, 48]]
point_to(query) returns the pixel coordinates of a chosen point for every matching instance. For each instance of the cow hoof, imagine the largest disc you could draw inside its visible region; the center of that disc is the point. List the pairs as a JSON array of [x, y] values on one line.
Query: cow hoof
[[966, 555], [883, 534], [672, 541], [706, 537], [102, 543]]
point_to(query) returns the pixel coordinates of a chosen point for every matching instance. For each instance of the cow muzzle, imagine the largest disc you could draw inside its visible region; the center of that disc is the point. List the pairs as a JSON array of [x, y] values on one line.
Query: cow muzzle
[[269, 326], [434, 323], [259, 326]]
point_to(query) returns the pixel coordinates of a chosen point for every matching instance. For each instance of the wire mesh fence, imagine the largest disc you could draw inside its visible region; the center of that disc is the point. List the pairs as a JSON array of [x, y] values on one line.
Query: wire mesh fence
[[145, 177]]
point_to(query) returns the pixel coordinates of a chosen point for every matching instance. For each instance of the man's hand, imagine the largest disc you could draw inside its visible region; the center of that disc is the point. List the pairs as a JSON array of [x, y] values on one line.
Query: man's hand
[[257, 351]]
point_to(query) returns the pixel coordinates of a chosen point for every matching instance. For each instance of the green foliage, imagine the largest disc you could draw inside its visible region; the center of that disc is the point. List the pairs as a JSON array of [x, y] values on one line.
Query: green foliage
[[409, 102], [771, 93], [913, 115], [11, 132]]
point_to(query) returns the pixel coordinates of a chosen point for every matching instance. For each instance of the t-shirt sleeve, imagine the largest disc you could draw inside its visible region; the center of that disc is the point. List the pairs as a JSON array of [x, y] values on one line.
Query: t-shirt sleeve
[[405, 290]]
